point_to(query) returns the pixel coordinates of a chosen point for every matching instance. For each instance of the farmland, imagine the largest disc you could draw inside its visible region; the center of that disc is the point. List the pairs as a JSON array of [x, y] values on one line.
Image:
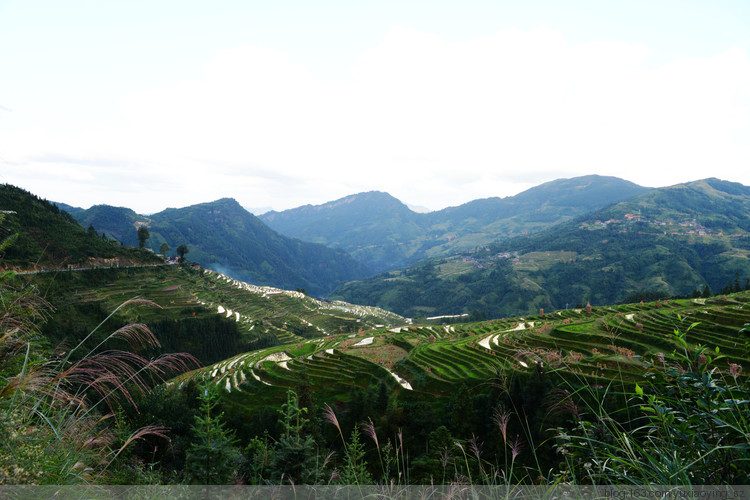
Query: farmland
[[590, 347]]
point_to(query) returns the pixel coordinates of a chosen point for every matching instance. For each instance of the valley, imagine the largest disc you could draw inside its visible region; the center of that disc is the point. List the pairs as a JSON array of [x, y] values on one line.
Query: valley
[[517, 347], [659, 244], [383, 250]]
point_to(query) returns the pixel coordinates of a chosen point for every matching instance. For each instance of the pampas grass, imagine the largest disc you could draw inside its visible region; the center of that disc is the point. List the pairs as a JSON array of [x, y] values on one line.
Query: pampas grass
[[52, 430]]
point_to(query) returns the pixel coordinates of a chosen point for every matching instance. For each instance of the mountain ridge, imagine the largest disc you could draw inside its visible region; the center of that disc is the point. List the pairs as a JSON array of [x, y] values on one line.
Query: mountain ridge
[[385, 234], [47, 237], [223, 236], [665, 242]]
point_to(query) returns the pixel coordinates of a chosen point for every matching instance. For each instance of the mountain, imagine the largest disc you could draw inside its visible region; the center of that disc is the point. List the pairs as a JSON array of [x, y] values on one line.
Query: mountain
[[49, 237], [665, 242], [540, 206], [117, 222], [373, 227], [275, 356], [383, 233], [225, 237], [68, 208]]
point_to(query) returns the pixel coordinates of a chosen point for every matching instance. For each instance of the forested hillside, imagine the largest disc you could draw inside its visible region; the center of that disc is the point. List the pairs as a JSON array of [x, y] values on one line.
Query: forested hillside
[[384, 234], [329, 393], [44, 236], [223, 236], [666, 242], [119, 223], [461, 400]]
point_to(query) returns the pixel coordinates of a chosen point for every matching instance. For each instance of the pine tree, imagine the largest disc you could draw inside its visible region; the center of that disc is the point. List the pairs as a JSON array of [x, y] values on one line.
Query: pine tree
[[355, 467], [295, 455], [213, 457]]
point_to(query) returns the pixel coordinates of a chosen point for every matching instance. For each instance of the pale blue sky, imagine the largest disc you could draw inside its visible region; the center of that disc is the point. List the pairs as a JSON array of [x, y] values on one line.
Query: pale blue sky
[[153, 104]]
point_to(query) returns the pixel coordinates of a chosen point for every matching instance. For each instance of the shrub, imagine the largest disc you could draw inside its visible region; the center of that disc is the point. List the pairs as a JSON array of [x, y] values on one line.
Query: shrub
[[687, 424]]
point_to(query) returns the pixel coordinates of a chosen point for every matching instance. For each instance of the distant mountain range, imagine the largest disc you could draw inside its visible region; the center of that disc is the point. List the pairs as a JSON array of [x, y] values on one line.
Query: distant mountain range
[[383, 233], [321, 247], [664, 242], [565, 242], [225, 237]]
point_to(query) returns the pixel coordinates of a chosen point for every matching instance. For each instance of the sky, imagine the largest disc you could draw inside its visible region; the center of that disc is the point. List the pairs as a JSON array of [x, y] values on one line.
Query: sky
[[156, 104]]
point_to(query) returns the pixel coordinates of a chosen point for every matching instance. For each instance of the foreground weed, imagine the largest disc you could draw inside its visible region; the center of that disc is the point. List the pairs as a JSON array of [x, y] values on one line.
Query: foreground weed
[[689, 424], [53, 428]]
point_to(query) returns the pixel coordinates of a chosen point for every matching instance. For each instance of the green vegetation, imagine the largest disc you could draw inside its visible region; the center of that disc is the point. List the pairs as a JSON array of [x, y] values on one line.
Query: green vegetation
[[297, 390], [691, 426], [62, 417], [225, 237], [213, 456], [496, 400], [182, 250], [143, 235], [384, 234], [207, 314], [568, 388], [665, 243], [46, 237]]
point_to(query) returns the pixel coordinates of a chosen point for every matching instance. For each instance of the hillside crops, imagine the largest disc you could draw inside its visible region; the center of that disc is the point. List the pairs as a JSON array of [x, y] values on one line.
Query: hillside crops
[[183, 297], [588, 348]]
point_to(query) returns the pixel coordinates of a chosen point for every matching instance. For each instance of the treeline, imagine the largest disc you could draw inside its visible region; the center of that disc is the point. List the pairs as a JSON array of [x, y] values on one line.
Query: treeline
[[423, 291], [417, 437], [609, 266], [47, 236], [210, 339]]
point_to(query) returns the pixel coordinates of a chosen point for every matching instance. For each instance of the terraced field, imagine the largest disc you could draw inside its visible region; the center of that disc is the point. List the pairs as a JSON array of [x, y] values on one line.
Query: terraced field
[[283, 316], [591, 347], [335, 346]]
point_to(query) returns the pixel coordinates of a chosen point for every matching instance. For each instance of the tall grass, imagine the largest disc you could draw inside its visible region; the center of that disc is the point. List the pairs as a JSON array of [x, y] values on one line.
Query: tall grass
[[688, 423], [685, 421], [59, 416]]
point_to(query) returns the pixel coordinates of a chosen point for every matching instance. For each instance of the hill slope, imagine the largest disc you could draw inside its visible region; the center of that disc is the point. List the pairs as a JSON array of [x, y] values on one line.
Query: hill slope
[[612, 341], [202, 312], [48, 237], [223, 236], [373, 227], [666, 242], [383, 233], [119, 223]]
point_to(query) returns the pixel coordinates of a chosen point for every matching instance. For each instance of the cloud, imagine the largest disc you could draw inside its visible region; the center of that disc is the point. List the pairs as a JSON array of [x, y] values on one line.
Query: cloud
[[432, 121]]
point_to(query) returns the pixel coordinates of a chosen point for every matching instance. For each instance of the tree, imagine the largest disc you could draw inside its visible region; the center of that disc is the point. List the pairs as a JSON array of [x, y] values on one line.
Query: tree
[[143, 235], [295, 456], [164, 248], [213, 456], [354, 470], [181, 251]]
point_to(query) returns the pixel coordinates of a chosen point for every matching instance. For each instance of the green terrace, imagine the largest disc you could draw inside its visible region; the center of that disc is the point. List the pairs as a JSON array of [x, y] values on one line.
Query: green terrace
[[287, 338], [264, 316], [594, 347]]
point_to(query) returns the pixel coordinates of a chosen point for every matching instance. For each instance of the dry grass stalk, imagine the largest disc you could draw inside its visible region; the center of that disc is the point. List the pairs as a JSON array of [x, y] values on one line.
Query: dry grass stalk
[[515, 447], [369, 429], [560, 402], [502, 418], [330, 417]]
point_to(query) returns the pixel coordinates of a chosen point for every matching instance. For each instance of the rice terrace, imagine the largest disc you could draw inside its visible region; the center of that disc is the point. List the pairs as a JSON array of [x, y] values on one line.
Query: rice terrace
[[121, 366], [526, 383]]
